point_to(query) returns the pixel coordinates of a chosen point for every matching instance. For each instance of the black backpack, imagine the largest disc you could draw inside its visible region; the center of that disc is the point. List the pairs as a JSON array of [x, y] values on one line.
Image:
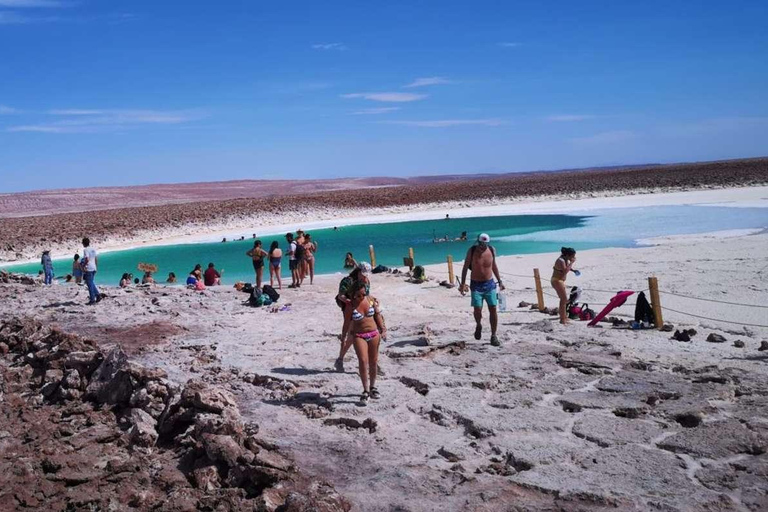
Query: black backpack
[[247, 288], [253, 300], [271, 293], [299, 252]]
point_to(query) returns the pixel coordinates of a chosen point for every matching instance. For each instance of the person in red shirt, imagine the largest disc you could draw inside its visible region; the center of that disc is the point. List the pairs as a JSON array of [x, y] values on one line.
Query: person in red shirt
[[212, 276]]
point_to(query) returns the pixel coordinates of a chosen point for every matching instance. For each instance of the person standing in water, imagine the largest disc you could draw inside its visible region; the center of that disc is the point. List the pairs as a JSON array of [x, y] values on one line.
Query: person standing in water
[[257, 255], [364, 323], [47, 264], [275, 259], [88, 264], [563, 265], [481, 260], [77, 272]]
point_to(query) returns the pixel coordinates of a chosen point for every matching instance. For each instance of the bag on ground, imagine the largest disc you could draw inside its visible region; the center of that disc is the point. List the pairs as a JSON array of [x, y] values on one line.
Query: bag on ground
[[271, 293], [643, 310]]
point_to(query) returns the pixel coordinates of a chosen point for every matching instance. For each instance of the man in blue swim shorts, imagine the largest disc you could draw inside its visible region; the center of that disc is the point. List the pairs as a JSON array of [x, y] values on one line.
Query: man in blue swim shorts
[[481, 260]]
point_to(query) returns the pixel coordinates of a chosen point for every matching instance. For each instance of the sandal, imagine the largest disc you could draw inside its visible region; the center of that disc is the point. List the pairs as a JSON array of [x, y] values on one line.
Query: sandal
[[339, 365], [478, 332], [375, 394], [364, 398]]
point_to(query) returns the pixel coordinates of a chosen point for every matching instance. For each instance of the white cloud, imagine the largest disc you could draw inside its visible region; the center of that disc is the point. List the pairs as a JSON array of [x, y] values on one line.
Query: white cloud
[[329, 46], [92, 121], [509, 45], [447, 123], [566, 118], [18, 4], [392, 97], [599, 139], [375, 111], [5, 110], [433, 80]]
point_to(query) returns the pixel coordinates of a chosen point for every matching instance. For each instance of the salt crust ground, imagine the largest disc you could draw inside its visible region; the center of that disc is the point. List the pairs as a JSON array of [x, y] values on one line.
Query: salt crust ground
[[558, 418]]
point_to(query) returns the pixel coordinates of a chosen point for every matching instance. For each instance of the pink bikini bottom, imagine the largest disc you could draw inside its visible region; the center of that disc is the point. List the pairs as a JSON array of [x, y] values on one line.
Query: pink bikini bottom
[[367, 336]]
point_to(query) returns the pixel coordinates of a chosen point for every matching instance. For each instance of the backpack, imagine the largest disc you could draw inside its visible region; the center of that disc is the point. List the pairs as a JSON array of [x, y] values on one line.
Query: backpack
[[419, 274], [247, 288], [379, 269], [298, 253], [643, 310], [472, 255], [586, 313], [271, 293]]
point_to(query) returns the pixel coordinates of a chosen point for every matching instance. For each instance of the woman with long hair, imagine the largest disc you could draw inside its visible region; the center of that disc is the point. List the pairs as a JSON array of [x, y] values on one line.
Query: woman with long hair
[[563, 265], [310, 248], [364, 323], [257, 255], [275, 258]]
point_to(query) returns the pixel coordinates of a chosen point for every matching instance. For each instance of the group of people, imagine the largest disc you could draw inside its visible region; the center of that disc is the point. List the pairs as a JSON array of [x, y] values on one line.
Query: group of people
[[83, 270], [199, 280], [301, 251]]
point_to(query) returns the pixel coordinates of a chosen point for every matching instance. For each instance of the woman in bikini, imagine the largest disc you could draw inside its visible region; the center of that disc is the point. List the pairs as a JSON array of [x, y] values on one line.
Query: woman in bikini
[[310, 247], [349, 261], [363, 321], [275, 257], [257, 254], [563, 265]]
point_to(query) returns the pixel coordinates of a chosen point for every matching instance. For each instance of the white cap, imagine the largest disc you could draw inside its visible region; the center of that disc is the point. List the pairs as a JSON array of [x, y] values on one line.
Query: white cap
[[364, 267], [483, 237]]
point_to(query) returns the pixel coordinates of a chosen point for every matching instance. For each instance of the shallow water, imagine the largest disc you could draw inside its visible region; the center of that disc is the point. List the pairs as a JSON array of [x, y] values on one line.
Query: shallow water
[[512, 234]]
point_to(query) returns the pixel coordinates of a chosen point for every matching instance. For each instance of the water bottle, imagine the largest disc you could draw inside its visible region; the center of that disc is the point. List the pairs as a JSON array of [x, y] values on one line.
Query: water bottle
[[502, 301]]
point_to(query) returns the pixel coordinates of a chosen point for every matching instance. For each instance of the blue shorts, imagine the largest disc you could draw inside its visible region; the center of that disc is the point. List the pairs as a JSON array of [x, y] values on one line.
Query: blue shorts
[[484, 291]]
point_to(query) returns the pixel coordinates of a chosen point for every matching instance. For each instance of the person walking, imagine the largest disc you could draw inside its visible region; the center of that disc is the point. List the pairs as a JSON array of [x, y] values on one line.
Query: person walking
[[364, 323], [275, 260], [88, 263], [47, 264], [257, 255], [560, 270], [346, 289], [481, 260]]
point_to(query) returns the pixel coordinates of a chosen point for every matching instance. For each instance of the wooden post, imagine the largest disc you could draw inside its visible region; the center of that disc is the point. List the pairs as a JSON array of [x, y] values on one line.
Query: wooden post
[[410, 255], [373, 256], [539, 290], [451, 277], [653, 289]]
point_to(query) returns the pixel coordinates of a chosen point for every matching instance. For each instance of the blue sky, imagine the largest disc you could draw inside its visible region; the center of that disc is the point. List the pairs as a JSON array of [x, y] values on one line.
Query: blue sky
[[118, 93]]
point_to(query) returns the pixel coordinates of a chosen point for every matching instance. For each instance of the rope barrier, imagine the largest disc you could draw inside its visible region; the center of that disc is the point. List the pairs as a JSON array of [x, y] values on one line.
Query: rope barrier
[[714, 300], [712, 319]]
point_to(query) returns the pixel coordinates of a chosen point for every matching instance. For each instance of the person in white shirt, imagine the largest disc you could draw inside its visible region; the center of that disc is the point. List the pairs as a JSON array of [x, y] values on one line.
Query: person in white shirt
[[88, 264], [293, 263]]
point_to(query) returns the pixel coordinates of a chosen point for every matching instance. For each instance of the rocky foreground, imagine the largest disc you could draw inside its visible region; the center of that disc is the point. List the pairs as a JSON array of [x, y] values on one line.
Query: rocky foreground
[[84, 429], [286, 203]]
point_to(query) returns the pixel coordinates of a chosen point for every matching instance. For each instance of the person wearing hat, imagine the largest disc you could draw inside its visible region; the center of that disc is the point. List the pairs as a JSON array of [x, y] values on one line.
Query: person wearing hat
[[481, 261]]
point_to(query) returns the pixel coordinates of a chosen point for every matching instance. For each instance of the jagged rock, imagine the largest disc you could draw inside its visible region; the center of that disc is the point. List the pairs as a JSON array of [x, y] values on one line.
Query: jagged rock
[[3, 349], [206, 398], [227, 423], [206, 478], [272, 459], [143, 432], [449, 456], [763, 346], [111, 382], [223, 449], [738, 344], [72, 380], [84, 362], [524, 304], [716, 338], [716, 440], [144, 375], [418, 386]]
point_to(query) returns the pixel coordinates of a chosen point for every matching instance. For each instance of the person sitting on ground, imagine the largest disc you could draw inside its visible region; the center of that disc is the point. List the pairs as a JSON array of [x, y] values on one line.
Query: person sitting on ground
[[68, 278], [481, 259], [47, 264], [364, 323], [193, 278], [346, 288], [125, 281], [275, 259], [560, 270], [77, 271], [212, 277], [310, 248], [171, 278], [147, 278], [257, 255], [349, 261]]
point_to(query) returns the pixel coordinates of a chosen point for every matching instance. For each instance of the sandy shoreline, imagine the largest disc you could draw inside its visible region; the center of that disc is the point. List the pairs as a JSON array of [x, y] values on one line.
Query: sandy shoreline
[[281, 223], [557, 418]]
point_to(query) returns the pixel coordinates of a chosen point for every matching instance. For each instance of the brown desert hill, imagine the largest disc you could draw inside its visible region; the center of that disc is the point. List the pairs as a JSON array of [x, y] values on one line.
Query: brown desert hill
[[22, 235]]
